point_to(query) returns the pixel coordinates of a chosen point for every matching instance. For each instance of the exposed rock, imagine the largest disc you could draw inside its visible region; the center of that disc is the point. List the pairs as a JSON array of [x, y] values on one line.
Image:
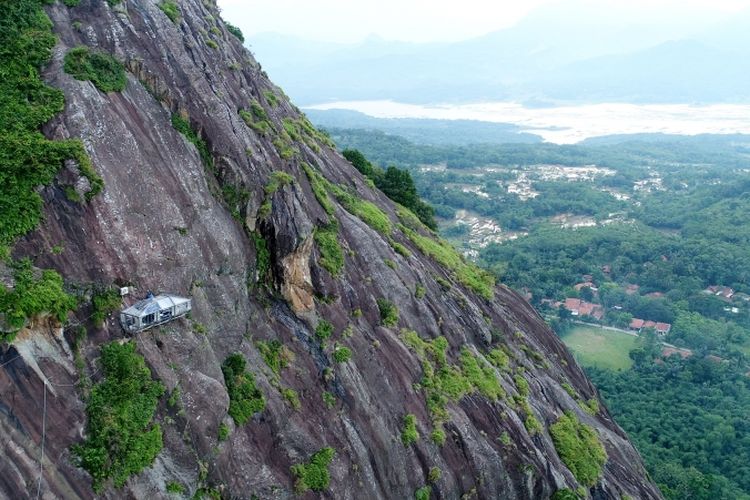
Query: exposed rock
[[42, 339], [296, 286], [162, 224]]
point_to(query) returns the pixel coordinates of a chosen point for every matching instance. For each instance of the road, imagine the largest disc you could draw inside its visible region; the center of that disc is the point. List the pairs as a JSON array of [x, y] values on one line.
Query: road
[[626, 332], [612, 328]]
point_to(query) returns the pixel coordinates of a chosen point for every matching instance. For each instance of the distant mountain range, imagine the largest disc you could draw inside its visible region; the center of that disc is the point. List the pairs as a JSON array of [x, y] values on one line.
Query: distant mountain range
[[425, 131], [564, 53]]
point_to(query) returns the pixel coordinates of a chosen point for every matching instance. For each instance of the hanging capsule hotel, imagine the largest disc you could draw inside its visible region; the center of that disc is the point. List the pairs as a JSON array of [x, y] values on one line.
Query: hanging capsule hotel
[[153, 311]]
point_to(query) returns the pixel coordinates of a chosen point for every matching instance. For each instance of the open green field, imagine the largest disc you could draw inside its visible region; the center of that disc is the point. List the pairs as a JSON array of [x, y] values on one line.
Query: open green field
[[594, 346]]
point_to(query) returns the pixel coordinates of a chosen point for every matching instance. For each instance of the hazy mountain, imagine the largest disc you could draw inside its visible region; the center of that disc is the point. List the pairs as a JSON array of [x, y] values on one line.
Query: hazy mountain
[[424, 131], [572, 51], [679, 71]]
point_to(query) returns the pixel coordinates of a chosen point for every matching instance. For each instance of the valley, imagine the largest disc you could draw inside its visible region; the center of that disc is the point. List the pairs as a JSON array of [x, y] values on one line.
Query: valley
[[206, 293], [609, 239]]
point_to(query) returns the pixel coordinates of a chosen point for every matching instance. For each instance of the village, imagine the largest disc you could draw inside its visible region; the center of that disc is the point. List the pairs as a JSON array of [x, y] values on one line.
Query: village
[[585, 312], [478, 231], [581, 309]]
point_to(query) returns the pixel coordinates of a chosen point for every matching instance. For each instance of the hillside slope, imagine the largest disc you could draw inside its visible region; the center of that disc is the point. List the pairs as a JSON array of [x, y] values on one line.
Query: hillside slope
[[253, 248]]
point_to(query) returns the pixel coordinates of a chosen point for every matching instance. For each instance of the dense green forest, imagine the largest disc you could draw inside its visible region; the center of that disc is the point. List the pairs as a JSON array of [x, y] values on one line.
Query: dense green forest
[[636, 153], [651, 222], [689, 420]]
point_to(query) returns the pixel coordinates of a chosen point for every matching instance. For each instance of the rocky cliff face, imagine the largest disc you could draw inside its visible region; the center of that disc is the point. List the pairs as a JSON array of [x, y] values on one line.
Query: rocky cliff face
[[168, 220]]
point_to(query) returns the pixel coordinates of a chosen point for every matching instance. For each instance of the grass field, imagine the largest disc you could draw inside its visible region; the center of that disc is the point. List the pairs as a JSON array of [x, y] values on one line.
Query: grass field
[[593, 346]]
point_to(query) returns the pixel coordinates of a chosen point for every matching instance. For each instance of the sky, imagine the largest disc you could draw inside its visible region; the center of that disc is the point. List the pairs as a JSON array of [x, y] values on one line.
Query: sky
[[350, 21]]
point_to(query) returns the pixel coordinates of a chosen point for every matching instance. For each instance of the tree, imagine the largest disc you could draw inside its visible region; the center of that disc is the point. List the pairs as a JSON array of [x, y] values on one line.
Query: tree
[[359, 161], [586, 293], [398, 185]]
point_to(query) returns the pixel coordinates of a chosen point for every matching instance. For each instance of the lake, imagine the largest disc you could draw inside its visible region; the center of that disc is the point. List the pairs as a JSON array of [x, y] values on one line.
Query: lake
[[574, 123]]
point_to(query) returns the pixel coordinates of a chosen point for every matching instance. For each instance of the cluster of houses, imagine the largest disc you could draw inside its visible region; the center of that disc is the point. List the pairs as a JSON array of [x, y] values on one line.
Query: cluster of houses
[[727, 294], [581, 308], [670, 350], [723, 292], [638, 325]]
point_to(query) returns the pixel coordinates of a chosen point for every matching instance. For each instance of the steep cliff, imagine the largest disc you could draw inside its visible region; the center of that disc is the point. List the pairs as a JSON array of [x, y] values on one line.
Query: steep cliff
[[216, 187]]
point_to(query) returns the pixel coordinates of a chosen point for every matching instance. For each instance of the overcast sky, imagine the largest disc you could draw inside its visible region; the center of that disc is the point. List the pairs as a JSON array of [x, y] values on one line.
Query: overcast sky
[[434, 20]]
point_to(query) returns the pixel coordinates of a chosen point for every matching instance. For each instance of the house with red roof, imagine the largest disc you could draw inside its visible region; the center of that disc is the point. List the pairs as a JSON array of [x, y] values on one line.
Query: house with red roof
[[723, 292], [662, 328], [578, 307], [586, 308], [639, 324], [636, 324], [572, 305]]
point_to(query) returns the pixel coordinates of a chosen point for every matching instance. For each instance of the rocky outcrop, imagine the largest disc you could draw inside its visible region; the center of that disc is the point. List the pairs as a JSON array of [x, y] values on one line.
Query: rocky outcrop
[[296, 282], [169, 221]]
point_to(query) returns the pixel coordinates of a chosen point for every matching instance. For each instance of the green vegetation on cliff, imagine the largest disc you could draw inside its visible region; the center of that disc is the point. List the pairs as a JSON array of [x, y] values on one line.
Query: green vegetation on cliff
[[341, 354], [182, 125], [443, 382], [367, 211], [478, 280], [262, 258], [103, 70], [482, 282], [314, 474], [235, 31], [324, 330], [395, 183], [32, 295], [579, 448], [256, 118], [409, 433], [331, 256], [276, 181], [170, 9], [104, 303], [423, 493], [28, 159], [245, 398], [276, 355], [121, 438], [320, 188], [388, 312]]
